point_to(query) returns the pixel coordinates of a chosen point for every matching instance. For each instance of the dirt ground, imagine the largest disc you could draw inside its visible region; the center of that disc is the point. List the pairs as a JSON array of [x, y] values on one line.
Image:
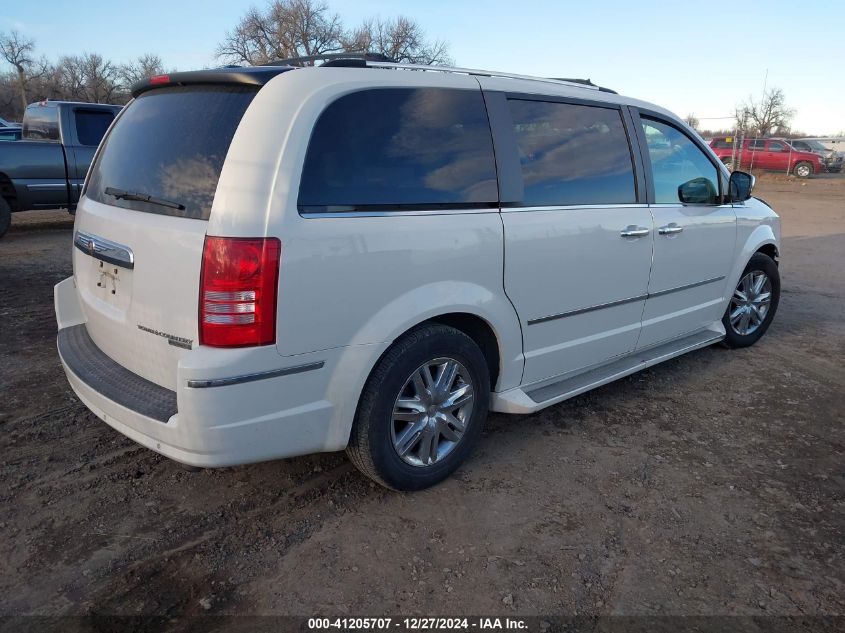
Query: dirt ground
[[711, 484]]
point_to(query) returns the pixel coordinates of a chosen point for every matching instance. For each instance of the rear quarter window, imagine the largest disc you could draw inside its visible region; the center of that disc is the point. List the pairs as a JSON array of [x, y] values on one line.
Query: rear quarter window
[[400, 149], [170, 144]]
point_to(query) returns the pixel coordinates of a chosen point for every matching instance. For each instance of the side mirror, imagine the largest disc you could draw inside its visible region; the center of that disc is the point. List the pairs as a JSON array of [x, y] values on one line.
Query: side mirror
[[740, 186], [698, 191]]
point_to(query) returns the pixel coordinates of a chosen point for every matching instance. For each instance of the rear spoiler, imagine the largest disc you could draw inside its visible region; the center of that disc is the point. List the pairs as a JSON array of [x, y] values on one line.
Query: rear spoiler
[[232, 75]]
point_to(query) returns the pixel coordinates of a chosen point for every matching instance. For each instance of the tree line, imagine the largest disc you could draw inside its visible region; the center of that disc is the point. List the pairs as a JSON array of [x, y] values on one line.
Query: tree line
[[281, 30], [769, 115]]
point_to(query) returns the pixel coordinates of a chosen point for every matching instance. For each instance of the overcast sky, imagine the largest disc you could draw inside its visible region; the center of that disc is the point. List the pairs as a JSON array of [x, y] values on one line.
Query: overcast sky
[[697, 57]]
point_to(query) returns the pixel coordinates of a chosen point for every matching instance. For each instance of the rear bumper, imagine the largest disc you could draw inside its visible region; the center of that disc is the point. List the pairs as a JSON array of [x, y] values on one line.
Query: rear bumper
[[81, 357], [279, 414]]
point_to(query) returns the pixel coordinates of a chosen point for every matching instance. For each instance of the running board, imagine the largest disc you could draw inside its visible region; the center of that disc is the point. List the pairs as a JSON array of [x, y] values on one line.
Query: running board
[[533, 398]]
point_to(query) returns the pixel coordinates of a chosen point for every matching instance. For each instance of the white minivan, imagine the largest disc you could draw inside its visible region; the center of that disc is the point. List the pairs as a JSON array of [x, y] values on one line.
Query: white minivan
[[274, 261]]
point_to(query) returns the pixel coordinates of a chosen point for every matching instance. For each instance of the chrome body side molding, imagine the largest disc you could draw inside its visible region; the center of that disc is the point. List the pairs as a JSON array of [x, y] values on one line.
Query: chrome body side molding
[[611, 304]]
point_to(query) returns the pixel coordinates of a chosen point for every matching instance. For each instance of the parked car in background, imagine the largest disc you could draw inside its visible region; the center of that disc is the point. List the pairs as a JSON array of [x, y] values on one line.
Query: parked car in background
[[273, 261], [831, 159], [773, 154], [10, 133], [46, 169]]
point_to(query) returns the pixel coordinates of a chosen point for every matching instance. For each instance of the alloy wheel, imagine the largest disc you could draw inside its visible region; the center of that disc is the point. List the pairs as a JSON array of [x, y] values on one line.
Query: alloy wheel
[[431, 413], [750, 302]]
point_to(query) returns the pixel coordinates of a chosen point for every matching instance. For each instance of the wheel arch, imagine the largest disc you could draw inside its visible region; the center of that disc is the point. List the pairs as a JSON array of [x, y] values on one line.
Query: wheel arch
[[764, 238], [8, 191], [770, 249], [477, 327], [812, 166], [480, 331], [495, 329]]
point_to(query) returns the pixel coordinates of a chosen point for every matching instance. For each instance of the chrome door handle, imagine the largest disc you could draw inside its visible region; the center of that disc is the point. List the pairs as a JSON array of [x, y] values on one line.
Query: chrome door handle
[[633, 230], [670, 229]]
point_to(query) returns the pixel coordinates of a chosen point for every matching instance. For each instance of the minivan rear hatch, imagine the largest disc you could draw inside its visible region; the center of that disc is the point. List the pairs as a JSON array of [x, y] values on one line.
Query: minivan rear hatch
[[141, 223]]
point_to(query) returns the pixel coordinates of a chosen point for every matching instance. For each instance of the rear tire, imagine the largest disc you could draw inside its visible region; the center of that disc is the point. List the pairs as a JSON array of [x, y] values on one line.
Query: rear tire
[[407, 437], [5, 217], [753, 303], [803, 169]]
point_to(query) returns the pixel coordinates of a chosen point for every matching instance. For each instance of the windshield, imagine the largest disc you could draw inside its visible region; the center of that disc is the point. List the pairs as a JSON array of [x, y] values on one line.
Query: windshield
[[168, 147], [816, 146]]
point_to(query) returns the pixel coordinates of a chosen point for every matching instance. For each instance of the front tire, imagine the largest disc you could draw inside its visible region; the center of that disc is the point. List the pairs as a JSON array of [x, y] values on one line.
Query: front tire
[[803, 169], [5, 217], [753, 303], [422, 409]]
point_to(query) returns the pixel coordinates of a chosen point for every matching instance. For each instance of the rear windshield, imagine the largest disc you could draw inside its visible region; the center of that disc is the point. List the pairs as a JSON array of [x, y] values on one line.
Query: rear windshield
[[41, 123], [169, 145]]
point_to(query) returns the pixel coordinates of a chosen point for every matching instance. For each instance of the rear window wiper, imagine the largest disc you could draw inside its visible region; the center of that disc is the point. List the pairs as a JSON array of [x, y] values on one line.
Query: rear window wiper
[[122, 194]]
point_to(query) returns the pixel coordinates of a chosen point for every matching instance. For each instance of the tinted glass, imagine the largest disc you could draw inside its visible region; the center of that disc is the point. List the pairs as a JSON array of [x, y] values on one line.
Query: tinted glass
[[675, 162], [41, 123], [721, 144], [572, 154], [801, 145], [757, 144], [92, 125], [170, 144], [777, 147], [393, 147]]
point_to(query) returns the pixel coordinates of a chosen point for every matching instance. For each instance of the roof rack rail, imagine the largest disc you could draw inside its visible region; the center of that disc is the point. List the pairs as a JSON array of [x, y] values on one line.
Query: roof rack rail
[[378, 60], [585, 82], [482, 73], [329, 58]]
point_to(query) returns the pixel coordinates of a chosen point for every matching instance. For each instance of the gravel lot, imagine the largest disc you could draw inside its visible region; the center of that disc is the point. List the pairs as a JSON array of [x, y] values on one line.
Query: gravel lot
[[712, 484]]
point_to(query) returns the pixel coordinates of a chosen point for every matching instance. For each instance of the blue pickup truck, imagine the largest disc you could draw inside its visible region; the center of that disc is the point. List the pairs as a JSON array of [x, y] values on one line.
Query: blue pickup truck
[[46, 168]]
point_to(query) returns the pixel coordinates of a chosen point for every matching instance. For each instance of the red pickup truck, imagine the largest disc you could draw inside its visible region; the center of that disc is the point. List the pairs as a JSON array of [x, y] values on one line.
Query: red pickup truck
[[767, 153]]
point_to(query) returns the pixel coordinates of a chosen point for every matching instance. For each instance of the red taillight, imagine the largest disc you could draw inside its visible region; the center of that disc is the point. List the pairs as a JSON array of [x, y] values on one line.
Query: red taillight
[[160, 79], [238, 287]]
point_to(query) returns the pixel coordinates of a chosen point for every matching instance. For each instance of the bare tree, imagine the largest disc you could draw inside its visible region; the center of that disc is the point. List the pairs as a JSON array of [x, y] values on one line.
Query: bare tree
[[692, 121], [87, 77], [18, 51], [287, 28], [296, 28], [400, 39], [765, 116], [143, 67]]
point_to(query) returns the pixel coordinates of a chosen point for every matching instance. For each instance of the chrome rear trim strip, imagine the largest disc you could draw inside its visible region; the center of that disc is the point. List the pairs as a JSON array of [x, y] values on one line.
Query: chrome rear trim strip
[[274, 373], [104, 250]]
